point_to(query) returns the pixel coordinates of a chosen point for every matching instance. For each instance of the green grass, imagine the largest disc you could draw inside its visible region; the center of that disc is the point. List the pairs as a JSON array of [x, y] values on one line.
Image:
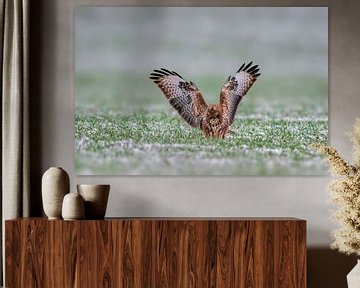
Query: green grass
[[161, 143], [134, 92], [124, 126]]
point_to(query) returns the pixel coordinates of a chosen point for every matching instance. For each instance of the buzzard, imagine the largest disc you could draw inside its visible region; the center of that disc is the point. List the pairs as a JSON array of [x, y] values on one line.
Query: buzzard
[[213, 119]]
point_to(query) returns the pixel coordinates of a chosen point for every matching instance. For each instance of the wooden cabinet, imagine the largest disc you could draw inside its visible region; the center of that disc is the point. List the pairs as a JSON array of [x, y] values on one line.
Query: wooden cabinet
[[156, 252]]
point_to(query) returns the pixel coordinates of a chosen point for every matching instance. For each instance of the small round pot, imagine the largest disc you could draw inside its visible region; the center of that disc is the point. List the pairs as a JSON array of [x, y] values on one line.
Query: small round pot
[[96, 198], [73, 207]]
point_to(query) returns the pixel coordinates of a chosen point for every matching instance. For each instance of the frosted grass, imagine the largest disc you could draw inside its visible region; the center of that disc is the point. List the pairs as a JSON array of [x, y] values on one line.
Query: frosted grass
[[161, 144]]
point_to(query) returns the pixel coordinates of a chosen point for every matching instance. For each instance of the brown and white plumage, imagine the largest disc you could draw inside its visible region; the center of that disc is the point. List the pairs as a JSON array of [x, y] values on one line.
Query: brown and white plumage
[[185, 97]]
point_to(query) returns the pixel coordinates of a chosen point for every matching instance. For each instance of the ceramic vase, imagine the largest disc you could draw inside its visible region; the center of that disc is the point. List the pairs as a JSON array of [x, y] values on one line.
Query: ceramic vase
[[96, 198], [353, 278], [73, 207], [55, 185]]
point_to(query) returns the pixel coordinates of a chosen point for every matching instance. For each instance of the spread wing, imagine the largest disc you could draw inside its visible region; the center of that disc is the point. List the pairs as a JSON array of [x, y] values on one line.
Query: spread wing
[[235, 88], [184, 96]]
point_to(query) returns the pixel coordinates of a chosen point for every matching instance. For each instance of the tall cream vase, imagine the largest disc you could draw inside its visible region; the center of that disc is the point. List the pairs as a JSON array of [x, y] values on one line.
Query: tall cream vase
[[55, 185]]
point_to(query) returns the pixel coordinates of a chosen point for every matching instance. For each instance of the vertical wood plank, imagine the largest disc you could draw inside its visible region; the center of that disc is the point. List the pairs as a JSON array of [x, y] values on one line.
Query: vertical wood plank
[[193, 230], [104, 269], [259, 253], [213, 252], [117, 235], [242, 253], [33, 257], [238, 256], [136, 244], [181, 239], [88, 254], [71, 247], [268, 264], [162, 238], [55, 254], [249, 248], [154, 258], [128, 260], [199, 242], [173, 248], [208, 272], [12, 251], [301, 253], [224, 256], [284, 256], [145, 247]]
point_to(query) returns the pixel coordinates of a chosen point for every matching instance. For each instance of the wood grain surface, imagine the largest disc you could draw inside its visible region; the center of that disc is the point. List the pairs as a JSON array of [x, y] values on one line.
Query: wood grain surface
[[160, 252]]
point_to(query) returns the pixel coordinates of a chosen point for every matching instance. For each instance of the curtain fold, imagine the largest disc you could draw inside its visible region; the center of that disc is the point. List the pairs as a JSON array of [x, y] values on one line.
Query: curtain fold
[[15, 158]]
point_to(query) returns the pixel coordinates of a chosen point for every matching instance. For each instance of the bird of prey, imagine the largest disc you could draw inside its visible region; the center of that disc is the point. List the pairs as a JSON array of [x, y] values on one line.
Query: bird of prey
[[213, 119]]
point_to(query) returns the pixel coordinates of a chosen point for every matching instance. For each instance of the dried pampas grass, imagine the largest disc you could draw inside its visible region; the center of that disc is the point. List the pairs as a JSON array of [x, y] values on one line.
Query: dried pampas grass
[[345, 191]]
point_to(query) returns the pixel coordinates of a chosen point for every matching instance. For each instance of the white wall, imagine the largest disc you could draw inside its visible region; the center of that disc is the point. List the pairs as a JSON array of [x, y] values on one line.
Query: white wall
[[303, 197]]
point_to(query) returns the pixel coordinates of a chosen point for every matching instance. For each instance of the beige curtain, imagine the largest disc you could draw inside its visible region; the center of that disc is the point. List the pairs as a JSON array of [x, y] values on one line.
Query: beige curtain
[[15, 172]]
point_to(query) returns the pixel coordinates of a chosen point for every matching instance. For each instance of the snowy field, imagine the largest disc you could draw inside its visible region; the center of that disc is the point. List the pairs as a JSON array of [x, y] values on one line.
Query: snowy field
[[124, 125]]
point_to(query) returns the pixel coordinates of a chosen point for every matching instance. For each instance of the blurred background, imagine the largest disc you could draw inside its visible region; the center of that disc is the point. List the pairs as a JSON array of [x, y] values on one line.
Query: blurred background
[[116, 48]]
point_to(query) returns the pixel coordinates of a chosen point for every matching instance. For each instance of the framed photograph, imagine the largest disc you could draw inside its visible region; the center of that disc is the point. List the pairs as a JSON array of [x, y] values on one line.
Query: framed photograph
[[201, 91]]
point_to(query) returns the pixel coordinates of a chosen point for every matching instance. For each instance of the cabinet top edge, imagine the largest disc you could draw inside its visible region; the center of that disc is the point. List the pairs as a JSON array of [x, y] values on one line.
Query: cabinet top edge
[[170, 219]]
